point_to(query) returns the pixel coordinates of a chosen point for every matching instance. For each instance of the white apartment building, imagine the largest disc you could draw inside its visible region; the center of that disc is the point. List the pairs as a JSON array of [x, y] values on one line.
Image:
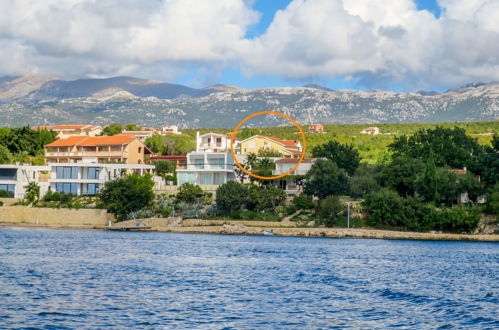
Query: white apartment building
[[207, 169], [89, 178], [214, 142], [14, 178], [170, 129]]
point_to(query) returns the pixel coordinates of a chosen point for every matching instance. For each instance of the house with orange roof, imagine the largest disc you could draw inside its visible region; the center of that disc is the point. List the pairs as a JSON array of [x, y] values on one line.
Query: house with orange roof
[[316, 128], [257, 143], [373, 130], [99, 149], [214, 142], [64, 131]]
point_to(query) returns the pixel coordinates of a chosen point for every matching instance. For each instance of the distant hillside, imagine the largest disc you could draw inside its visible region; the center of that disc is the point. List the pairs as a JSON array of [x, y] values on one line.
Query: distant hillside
[[39, 100]]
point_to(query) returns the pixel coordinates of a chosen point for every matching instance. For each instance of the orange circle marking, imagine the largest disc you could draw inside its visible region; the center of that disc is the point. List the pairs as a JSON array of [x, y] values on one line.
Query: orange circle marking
[[233, 136]]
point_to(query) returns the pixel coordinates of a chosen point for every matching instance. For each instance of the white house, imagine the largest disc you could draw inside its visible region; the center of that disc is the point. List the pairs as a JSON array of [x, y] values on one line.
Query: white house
[[207, 169], [291, 183], [15, 178], [88, 178], [373, 130], [170, 129], [214, 142]]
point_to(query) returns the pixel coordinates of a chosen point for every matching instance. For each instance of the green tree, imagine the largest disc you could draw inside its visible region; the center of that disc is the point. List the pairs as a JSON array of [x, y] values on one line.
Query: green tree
[[231, 196], [163, 167], [112, 129], [32, 192], [303, 202], [492, 206], [170, 144], [325, 178], [127, 194], [344, 155], [263, 198], [401, 174], [5, 155], [190, 193], [329, 210], [428, 186], [385, 209], [488, 165], [365, 180], [495, 142], [132, 127], [451, 147]]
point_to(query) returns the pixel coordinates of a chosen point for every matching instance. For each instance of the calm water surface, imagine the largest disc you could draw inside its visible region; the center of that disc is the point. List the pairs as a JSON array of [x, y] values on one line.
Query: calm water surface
[[93, 279]]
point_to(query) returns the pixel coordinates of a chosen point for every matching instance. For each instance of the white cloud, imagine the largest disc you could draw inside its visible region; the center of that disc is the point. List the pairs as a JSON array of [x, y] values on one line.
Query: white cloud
[[374, 41], [381, 41]]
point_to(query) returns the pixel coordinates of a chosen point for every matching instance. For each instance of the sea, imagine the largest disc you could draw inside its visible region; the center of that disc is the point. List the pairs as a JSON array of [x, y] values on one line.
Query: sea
[[66, 279]]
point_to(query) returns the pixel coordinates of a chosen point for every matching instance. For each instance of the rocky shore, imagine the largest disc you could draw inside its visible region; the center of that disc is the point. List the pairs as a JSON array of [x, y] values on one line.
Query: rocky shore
[[178, 225]]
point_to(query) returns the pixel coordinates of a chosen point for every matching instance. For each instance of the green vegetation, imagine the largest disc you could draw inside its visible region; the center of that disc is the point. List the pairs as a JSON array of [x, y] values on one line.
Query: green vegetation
[[23, 145], [171, 144], [112, 129], [125, 195]]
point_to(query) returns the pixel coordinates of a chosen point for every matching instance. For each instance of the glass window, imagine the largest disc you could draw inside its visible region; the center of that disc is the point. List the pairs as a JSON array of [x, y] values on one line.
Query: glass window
[[199, 163], [93, 173], [216, 163], [92, 189], [66, 172], [205, 178], [186, 177], [66, 187], [9, 188], [219, 179], [8, 174]]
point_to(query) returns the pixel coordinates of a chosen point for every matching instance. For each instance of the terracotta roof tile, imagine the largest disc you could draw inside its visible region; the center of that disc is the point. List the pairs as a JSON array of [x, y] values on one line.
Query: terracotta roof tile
[[91, 141]]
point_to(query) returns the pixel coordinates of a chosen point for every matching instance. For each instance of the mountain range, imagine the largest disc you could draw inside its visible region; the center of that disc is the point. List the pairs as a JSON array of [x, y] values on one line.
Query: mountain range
[[41, 100]]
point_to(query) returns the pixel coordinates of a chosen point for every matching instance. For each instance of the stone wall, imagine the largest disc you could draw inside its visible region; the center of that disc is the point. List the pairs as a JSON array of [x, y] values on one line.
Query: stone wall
[[55, 217], [249, 223]]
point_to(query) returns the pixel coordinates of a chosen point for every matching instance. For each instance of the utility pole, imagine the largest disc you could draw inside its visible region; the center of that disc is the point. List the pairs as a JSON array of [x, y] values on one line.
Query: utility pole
[[348, 215]]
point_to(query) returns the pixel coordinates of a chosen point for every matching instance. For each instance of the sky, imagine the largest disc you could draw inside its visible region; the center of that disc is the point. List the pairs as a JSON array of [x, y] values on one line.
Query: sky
[[399, 45]]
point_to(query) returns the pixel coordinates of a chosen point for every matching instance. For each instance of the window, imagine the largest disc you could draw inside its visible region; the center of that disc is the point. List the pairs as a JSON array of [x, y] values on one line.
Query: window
[[92, 189], [8, 174], [140, 150], [219, 179], [93, 173], [198, 163], [186, 177], [216, 163], [9, 188], [205, 178], [66, 172], [66, 187], [251, 145], [219, 141]]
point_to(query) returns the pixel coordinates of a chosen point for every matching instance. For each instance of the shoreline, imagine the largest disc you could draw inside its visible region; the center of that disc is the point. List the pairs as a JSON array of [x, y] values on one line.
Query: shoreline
[[237, 229]]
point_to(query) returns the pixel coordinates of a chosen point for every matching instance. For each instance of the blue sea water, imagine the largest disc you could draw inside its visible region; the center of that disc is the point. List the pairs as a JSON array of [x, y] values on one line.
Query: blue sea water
[[97, 279]]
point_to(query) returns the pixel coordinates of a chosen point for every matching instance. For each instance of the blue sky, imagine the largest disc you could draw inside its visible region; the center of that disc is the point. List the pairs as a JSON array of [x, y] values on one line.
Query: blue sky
[[267, 9]]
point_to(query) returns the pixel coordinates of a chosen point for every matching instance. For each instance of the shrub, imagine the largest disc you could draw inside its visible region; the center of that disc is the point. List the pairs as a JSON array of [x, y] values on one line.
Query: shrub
[[189, 193], [329, 210], [265, 198], [1, 203], [326, 178], [303, 202], [231, 196], [128, 194], [458, 219], [4, 193], [385, 208]]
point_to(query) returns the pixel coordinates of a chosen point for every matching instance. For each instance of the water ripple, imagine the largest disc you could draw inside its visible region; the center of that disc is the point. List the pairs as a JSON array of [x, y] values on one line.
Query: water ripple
[[66, 279]]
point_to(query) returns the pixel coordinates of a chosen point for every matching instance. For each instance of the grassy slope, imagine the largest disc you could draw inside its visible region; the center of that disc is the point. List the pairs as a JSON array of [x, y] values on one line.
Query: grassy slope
[[371, 148]]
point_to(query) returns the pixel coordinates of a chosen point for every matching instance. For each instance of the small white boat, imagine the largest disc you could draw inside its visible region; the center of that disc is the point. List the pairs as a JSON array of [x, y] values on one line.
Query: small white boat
[[267, 233]]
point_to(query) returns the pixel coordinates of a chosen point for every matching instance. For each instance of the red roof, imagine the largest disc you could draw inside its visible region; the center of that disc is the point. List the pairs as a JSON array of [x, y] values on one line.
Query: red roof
[[295, 160], [91, 141]]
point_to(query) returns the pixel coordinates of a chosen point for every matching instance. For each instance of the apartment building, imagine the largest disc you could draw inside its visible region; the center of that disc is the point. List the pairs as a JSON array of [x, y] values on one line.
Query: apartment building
[[89, 178], [14, 178], [170, 129], [207, 169], [99, 149], [64, 131], [214, 142], [139, 135], [256, 143]]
